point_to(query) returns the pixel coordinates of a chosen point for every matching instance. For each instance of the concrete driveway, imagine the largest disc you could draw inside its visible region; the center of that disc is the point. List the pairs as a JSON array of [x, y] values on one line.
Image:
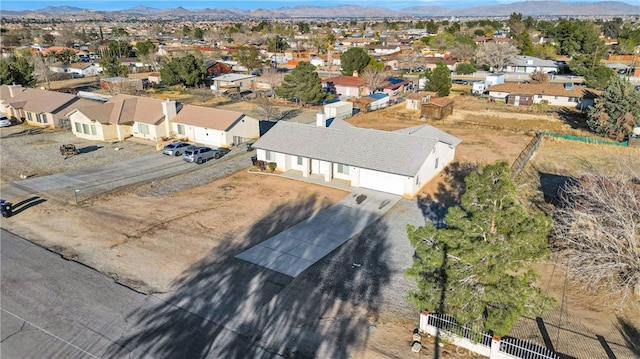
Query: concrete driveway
[[119, 173], [297, 248]]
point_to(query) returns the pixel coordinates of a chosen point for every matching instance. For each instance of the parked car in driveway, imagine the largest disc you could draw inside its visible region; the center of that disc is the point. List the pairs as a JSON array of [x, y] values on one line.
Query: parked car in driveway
[[199, 155], [176, 148], [460, 82], [4, 121]]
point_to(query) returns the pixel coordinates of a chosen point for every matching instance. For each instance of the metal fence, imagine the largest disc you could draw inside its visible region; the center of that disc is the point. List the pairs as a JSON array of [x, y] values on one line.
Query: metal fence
[[523, 349], [525, 155], [587, 139], [448, 323]]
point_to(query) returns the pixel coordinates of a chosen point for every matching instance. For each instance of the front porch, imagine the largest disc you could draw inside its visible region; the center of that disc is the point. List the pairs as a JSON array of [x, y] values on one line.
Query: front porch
[[319, 180]]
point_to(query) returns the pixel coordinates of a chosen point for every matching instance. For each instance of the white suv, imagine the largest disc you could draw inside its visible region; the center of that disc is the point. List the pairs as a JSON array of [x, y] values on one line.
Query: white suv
[[199, 155]]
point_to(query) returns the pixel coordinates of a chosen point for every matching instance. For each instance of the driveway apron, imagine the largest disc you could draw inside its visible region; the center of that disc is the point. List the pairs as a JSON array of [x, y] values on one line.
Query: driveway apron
[[297, 248]]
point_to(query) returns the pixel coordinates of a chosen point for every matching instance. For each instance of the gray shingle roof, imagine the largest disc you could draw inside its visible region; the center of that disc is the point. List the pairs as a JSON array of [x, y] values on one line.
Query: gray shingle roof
[[391, 152]]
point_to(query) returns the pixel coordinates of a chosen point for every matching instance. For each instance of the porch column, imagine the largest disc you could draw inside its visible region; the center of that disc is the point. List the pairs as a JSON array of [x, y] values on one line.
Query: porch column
[[306, 167], [119, 133], [328, 173]]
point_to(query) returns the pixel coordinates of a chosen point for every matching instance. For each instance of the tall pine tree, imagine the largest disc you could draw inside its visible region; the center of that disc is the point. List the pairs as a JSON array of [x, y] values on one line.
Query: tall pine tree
[[303, 84], [439, 80], [616, 111], [475, 268]]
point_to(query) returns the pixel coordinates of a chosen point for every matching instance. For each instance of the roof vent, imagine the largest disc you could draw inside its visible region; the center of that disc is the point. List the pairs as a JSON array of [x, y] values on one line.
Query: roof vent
[[568, 86]]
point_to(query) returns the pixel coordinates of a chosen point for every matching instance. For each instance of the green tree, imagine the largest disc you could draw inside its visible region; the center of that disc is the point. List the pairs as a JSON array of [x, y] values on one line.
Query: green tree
[[475, 268], [248, 56], [439, 80], [616, 111], [145, 47], [198, 33], [303, 84], [598, 77], [465, 68], [187, 70], [354, 60], [119, 48], [112, 67], [49, 39], [277, 44], [17, 70]]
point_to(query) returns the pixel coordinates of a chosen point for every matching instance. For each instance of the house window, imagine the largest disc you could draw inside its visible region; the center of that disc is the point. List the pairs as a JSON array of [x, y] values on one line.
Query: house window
[[555, 97], [437, 162], [29, 116], [93, 130], [180, 129], [85, 128], [41, 118], [269, 156], [78, 127], [143, 128], [539, 96], [299, 160], [344, 169]]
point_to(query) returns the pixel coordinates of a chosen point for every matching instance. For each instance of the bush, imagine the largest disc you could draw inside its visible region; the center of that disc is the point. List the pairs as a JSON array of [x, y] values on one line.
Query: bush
[[465, 69], [272, 166], [261, 165]]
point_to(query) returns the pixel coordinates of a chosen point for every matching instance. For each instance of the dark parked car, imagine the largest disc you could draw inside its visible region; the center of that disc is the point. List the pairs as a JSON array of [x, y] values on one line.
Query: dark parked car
[[176, 148], [460, 82]]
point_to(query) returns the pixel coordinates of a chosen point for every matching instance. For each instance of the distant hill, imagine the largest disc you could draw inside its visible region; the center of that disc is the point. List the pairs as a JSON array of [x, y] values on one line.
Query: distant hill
[[532, 8], [526, 8]]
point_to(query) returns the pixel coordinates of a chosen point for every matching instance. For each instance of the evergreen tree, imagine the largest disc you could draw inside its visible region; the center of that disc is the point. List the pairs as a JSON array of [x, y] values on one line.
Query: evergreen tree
[[616, 111], [145, 47], [475, 268], [186, 70], [17, 70], [303, 84], [598, 77], [439, 80], [354, 60], [112, 67]]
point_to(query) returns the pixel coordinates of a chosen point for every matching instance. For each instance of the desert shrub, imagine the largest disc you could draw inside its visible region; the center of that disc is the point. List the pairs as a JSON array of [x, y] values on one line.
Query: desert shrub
[[272, 166]]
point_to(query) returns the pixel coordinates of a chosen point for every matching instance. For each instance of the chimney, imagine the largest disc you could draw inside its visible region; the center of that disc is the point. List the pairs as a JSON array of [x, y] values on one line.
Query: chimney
[[14, 90], [321, 120], [355, 74], [170, 110]]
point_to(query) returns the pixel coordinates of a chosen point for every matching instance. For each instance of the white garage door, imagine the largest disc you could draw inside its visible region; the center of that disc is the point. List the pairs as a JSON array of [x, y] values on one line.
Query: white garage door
[[204, 136], [384, 182]]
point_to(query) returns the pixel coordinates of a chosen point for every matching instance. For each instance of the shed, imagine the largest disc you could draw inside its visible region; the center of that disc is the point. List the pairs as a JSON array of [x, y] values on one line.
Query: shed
[[340, 110], [437, 108], [416, 99]]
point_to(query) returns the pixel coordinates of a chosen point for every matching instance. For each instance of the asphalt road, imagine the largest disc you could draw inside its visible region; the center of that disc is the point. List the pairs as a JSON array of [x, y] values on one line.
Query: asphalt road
[[54, 308]]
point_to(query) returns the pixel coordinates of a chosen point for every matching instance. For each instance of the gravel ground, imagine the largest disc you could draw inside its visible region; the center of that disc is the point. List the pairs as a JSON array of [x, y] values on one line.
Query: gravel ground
[[38, 153]]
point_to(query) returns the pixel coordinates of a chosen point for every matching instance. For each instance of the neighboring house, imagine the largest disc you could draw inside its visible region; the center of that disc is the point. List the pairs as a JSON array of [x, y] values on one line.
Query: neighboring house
[[530, 64], [545, 93], [432, 62], [380, 100], [134, 64], [76, 68], [345, 86], [8, 92], [214, 127], [124, 116], [399, 162], [234, 82], [216, 68], [437, 108], [42, 107], [394, 86], [154, 78]]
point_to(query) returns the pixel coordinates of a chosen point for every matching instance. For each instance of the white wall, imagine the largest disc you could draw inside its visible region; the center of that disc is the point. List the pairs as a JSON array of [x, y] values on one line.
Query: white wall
[[247, 128]]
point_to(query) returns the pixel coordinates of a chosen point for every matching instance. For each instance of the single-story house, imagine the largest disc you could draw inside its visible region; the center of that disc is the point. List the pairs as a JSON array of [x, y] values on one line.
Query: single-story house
[[432, 62], [214, 127], [345, 86], [395, 85], [546, 93], [43, 108], [399, 162], [233, 82], [124, 116], [437, 108], [380, 100], [530, 64]]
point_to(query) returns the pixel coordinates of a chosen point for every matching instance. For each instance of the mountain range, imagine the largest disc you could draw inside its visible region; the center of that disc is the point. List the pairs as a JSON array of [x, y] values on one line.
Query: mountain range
[[526, 8]]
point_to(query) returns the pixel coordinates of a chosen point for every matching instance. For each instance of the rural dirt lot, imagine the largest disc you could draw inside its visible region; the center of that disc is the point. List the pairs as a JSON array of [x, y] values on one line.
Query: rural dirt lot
[[151, 241]]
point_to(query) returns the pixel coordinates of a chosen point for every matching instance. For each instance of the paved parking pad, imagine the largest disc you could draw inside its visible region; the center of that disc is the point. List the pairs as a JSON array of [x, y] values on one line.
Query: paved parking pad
[[297, 248]]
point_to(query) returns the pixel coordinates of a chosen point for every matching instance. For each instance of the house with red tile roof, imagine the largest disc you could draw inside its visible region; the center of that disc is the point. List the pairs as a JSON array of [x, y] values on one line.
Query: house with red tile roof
[[346, 86]]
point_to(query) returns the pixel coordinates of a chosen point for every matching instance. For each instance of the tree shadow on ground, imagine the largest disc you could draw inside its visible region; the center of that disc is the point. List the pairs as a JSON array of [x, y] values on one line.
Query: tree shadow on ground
[[434, 206], [550, 185], [289, 114], [224, 307], [631, 335], [574, 118]]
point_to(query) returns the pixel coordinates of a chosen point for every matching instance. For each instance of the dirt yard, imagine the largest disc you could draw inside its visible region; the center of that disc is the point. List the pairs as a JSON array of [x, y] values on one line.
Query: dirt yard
[[148, 241]]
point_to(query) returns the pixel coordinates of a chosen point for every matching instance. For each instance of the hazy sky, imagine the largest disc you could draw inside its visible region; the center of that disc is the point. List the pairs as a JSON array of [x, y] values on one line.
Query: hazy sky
[[248, 4]]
